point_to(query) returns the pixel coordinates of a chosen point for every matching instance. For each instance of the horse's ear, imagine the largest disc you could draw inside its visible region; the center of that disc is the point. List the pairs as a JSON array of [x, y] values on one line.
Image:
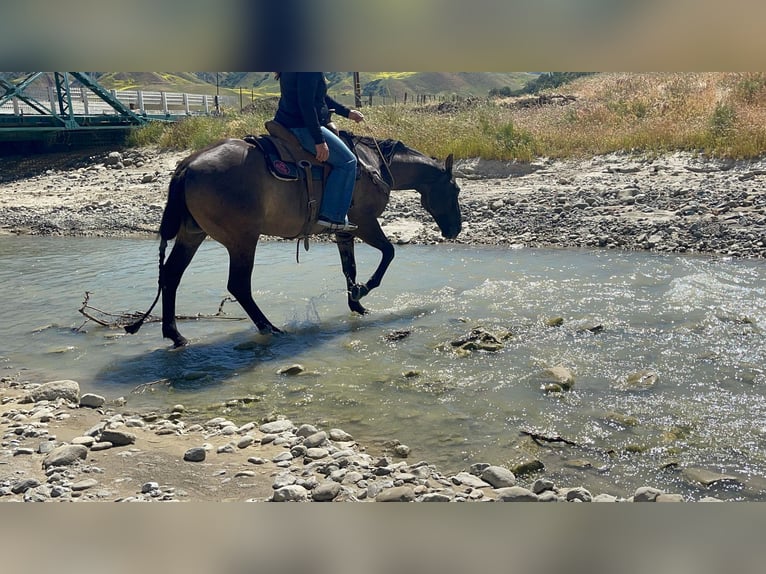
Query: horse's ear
[[448, 165]]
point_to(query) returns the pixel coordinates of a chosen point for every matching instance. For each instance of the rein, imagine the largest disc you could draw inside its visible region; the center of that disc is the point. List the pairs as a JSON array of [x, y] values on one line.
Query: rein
[[380, 153]]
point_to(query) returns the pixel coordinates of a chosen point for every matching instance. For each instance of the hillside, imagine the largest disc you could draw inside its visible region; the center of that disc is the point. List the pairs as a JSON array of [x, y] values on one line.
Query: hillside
[[390, 84]]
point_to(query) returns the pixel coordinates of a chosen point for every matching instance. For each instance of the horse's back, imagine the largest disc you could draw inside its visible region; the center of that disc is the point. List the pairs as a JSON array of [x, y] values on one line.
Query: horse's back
[[231, 195]]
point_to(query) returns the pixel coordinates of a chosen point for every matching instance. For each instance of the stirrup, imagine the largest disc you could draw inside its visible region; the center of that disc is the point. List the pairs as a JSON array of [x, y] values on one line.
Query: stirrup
[[332, 226]]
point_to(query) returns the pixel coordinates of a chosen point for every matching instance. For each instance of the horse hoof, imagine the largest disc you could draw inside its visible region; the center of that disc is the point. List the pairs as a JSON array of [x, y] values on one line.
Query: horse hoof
[[358, 291], [180, 342], [270, 330]]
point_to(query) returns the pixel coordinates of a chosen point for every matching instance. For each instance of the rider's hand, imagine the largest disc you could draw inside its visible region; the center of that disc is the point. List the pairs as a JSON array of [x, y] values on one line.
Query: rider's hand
[[323, 152], [356, 115]]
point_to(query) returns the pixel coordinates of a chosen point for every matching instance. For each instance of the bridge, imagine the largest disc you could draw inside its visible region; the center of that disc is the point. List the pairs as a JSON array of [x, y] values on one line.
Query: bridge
[[49, 109]]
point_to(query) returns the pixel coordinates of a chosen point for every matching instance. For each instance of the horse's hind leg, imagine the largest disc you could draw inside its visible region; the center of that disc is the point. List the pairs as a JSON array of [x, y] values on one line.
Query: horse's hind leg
[[239, 285], [184, 248]]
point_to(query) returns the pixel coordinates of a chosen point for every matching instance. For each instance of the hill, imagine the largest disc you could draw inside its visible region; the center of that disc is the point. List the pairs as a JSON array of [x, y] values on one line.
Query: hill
[[389, 84]]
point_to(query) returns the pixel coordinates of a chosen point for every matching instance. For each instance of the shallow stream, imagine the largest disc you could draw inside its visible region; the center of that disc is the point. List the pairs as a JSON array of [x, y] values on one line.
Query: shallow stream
[[668, 352]]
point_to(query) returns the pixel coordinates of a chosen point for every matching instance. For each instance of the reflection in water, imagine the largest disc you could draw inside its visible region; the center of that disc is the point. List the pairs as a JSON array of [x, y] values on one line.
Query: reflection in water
[[695, 325]]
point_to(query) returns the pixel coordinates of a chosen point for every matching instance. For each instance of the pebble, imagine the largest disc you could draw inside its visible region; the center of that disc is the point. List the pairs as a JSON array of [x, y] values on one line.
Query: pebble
[[277, 427], [92, 401], [515, 494], [290, 493], [117, 438], [326, 491], [84, 484], [25, 484], [196, 454], [498, 477], [396, 494]]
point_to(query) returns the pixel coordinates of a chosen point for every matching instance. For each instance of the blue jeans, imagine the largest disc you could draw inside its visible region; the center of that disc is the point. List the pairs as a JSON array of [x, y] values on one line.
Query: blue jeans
[[336, 198]]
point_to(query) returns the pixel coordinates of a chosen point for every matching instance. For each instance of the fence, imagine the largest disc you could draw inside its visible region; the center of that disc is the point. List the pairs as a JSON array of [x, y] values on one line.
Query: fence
[[150, 104]]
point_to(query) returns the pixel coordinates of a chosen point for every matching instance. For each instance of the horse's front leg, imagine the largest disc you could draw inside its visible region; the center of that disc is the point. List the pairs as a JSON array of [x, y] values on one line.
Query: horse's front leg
[[373, 235], [345, 243]]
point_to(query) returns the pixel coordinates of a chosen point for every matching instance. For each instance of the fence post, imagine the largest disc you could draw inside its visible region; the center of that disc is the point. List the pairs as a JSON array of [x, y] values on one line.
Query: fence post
[[186, 104], [140, 95], [206, 104], [16, 106], [164, 103], [84, 96]]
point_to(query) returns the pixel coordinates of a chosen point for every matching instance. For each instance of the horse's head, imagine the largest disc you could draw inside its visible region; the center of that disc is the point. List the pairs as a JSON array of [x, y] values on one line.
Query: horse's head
[[440, 198]]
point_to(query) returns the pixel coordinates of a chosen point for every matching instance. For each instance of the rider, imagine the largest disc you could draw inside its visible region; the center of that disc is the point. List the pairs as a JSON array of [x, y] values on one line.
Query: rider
[[304, 108]]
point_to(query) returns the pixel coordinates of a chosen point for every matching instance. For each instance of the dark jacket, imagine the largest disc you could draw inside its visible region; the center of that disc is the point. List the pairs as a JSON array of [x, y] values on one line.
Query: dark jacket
[[304, 103]]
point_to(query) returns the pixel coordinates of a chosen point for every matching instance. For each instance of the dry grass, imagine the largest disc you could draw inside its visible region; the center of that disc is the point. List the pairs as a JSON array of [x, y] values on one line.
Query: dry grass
[[718, 114]]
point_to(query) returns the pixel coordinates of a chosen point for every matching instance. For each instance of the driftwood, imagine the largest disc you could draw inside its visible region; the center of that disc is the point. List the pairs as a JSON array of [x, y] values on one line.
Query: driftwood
[[119, 320], [537, 437], [140, 389]]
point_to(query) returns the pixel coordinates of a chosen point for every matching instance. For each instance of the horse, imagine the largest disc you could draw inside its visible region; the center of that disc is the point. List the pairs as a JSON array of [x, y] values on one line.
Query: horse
[[226, 192]]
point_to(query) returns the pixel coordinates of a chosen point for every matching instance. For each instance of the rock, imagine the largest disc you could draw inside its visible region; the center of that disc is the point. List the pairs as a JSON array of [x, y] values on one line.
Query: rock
[[396, 494], [710, 479], [646, 494], [65, 455], [277, 427], [245, 441], [467, 479], [315, 440], [64, 389], [196, 454], [578, 494], [92, 401], [498, 477], [604, 498], [290, 493], [316, 453], [84, 484], [641, 380], [326, 491], [306, 431], [87, 440], [669, 498], [295, 369], [559, 375], [515, 494], [436, 497], [24, 484], [541, 485], [339, 435], [528, 467], [147, 487], [402, 450], [117, 437]]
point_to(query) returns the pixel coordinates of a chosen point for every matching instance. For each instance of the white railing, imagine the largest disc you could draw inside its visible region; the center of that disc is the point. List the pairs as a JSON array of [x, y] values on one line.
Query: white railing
[[85, 102]]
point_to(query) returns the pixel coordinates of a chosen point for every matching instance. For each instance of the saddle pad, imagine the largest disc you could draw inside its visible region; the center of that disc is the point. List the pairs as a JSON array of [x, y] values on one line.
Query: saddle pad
[[278, 167]]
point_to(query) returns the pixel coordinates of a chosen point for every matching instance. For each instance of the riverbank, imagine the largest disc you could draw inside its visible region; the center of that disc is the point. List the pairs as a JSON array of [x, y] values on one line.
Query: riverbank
[[677, 203]]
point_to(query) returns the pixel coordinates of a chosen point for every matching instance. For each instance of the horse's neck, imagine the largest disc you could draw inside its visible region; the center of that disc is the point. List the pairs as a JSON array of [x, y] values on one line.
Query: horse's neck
[[411, 170]]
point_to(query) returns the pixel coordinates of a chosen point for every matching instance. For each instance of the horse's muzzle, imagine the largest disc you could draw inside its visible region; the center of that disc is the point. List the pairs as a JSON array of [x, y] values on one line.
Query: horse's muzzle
[[452, 232]]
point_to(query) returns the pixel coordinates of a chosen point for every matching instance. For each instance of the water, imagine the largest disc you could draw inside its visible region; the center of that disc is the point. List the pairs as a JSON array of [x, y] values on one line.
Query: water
[[695, 322]]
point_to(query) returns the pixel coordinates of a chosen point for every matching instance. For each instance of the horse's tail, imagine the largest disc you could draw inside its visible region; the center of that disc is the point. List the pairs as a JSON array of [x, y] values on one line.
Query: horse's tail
[[172, 217], [175, 209]]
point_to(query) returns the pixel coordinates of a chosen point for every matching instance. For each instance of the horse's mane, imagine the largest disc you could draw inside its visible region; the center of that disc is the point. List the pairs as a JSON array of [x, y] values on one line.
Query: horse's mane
[[388, 147]]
